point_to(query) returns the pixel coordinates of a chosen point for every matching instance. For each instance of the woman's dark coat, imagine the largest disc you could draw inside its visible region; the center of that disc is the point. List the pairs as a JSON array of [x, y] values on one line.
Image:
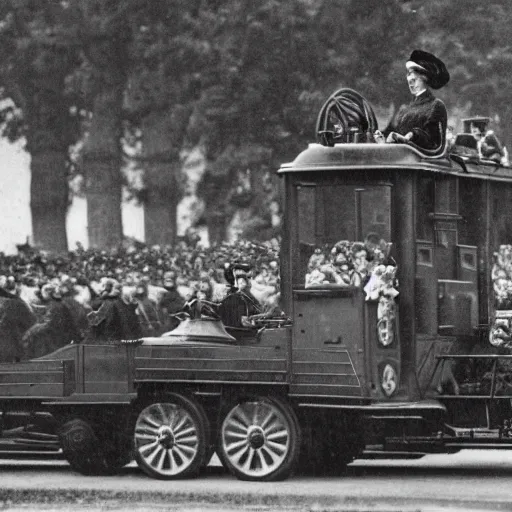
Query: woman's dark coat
[[426, 117]]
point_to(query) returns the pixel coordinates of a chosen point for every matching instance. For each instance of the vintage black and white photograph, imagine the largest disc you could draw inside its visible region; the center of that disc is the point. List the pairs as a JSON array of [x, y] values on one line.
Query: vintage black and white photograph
[[256, 255]]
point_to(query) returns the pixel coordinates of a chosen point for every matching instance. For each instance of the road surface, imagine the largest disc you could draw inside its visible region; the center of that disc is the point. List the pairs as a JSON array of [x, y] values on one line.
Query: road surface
[[467, 481]]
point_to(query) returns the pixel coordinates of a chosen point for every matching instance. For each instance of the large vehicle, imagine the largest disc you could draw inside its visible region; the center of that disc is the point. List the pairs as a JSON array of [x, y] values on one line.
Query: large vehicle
[[397, 281]]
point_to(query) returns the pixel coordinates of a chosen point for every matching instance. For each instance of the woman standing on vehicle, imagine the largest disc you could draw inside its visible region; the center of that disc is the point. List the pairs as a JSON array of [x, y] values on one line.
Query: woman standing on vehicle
[[422, 122]]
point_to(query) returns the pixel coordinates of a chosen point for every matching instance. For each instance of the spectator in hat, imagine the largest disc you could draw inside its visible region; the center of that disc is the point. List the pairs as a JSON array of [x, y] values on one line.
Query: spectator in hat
[[171, 302], [116, 318], [57, 329], [422, 122], [147, 311], [78, 310], [15, 319]]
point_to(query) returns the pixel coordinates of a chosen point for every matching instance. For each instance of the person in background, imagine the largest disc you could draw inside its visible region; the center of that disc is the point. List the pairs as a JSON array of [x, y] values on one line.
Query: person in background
[[171, 302], [424, 120], [489, 147], [147, 311], [16, 319], [77, 310], [57, 329], [116, 319]]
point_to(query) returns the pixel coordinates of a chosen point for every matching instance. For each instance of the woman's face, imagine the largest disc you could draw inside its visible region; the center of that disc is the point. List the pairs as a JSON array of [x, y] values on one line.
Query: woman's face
[[417, 82]]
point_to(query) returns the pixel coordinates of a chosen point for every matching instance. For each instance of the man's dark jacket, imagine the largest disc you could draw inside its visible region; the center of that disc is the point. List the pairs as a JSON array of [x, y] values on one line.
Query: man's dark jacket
[[115, 320], [15, 319]]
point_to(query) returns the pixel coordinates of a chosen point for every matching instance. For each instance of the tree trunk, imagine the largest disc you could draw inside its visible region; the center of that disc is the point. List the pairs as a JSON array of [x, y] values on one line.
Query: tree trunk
[[163, 134], [216, 222], [49, 200], [102, 160], [49, 133], [160, 203]]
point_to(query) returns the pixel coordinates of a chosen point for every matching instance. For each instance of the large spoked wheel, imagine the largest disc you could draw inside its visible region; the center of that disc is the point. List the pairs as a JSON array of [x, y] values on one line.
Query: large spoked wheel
[[171, 438], [260, 439], [92, 452]]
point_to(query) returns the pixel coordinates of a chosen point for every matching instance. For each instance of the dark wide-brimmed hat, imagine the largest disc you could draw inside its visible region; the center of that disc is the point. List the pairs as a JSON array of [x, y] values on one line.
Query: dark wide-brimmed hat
[[429, 65], [233, 271]]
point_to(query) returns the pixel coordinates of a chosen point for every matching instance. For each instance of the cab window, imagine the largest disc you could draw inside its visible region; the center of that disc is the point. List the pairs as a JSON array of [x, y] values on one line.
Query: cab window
[[327, 214]]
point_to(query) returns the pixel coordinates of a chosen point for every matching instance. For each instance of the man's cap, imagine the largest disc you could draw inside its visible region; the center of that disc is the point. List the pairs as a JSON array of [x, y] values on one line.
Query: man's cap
[[432, 67]]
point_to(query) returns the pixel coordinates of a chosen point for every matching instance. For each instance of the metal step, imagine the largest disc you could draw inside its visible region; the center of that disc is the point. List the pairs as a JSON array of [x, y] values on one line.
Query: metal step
[[382, 454]]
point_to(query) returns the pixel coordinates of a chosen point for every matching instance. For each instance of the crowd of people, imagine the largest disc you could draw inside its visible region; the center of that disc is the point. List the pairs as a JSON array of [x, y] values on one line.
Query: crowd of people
[[48, 301]]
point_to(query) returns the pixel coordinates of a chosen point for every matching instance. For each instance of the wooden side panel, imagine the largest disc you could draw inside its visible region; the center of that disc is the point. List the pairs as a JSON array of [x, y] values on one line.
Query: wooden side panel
[[33, 390], [264, 362], [328, 341], [32, 379], [106, 369]]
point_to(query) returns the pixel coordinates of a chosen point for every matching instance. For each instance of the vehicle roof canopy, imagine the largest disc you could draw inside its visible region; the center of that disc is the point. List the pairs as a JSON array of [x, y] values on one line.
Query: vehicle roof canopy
[[364, 156]]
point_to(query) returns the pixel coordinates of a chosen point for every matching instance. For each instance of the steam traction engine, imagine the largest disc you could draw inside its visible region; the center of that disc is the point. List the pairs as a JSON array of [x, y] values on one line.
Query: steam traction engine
[[395, 273]]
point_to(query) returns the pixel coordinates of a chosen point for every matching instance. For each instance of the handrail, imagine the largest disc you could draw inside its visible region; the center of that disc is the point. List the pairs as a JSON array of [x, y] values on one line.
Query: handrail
[[440, 152]]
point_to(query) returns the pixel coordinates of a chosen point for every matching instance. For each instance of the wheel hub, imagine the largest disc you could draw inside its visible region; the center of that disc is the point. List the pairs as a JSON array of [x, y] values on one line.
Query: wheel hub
[[166, 437], [256, 437]]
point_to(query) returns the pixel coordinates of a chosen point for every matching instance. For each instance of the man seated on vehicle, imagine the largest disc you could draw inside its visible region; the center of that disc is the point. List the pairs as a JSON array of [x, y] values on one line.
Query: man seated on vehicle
[[240, 303]]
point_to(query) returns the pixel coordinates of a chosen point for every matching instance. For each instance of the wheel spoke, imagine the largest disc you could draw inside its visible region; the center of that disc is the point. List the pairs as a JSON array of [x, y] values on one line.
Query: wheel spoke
[[275, 458], [188, 440], [148, 419], [148, 447], [233, 423], [243, 417], [172, 416], [186, 449], [277, 435], [185, 457], [237, 444], [248, 463], [172, 462], [276, 447], [153, 456], [181, 422], [237, 435], [239, 454], [161, 460], [146, 437], [256, 413], [264, 464], [163, 414], [185, 432], [266, 420], [144, 429]]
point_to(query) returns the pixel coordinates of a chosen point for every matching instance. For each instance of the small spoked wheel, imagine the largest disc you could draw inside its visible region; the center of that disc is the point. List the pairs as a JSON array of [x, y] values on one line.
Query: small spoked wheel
[[171, 438], [260, 439]]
